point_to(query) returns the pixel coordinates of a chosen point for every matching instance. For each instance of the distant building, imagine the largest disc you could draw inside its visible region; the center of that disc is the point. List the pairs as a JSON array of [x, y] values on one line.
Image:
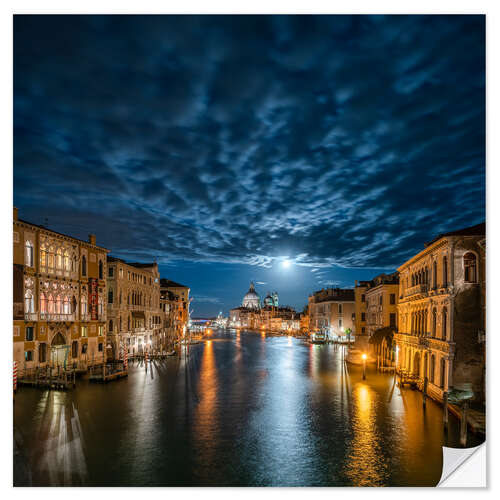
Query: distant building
[[134, 315], [332, 311], [360, 307], [59, 298], [182, 293], [441, 312], [251, 300], [382, 302]]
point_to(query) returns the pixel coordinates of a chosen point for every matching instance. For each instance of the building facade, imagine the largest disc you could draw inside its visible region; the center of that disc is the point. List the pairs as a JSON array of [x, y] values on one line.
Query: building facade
[[171, 307], [133, 306], [332, 311], [382, 302], [59, 298], [182, 303], [441, 313], [360, 288]]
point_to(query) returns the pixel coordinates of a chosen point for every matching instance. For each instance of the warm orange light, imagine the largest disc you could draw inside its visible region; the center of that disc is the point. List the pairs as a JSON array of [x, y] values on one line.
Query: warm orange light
[[364, 356]]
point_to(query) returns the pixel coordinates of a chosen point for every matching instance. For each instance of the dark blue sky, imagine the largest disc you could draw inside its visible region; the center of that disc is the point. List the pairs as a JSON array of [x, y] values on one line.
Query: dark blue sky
[[220, 146]]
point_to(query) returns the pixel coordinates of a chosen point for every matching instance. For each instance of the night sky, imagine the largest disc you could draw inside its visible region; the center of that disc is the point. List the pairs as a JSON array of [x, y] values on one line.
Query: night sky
[[221, 146]]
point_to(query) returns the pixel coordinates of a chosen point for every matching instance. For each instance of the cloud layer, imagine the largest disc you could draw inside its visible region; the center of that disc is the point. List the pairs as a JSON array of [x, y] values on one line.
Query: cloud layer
[[330, 140]]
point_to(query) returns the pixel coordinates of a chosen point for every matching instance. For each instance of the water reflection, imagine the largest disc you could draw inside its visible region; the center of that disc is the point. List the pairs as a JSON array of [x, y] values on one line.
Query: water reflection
[[243, 409], [365, 464]]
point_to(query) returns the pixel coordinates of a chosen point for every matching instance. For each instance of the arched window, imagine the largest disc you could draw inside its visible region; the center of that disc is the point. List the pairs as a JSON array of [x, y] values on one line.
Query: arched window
[[444, 325], [51, 304], [100, 270], [52, 258], [83, 304], [43, 256], [29, 302], [434, 274], [58, 305], [84, 266], [59, 258], [43, 303], [432, 368], [67, 263], [66, 306], [434, 322], [128, 323], [100, 308], [110, 296], [28, 253], [445, 271], [110, 326], [470, 273], [442, 373], [426, 276]]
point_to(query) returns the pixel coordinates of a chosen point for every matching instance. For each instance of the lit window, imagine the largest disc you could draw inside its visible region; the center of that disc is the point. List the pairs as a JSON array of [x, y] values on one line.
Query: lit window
[[84, 331], [28, 256]]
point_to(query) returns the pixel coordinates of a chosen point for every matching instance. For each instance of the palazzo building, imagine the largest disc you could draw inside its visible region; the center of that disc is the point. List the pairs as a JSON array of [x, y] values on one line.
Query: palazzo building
[[332, 311], [59, 298], [381, 302], [133, 306], [181, 303], [441, 313]]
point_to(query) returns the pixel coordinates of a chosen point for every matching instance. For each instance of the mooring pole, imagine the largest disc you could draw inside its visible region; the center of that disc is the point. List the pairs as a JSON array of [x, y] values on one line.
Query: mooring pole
[[445, 411], [424, 400], [463, 425]]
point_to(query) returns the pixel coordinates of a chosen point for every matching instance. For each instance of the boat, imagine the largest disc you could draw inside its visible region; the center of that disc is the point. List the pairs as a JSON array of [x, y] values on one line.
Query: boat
[[318, 338]]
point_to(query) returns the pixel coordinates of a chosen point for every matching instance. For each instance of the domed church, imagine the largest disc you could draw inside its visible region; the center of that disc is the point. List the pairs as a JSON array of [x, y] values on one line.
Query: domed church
[[251, 300]]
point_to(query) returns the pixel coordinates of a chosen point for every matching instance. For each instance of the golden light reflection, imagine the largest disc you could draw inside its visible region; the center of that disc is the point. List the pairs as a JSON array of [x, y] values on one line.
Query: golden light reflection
[[204, 428], [365, 465]]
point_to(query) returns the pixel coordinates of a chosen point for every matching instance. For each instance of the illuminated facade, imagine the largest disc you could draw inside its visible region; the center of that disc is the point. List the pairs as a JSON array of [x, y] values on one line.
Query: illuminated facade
[[382, 302], [133, 303], [332, 311], [441, 312], [182, 302], [59, 298]]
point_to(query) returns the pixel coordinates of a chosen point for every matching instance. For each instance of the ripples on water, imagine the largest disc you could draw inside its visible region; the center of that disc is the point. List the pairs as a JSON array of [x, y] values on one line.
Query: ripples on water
[[247, 409]]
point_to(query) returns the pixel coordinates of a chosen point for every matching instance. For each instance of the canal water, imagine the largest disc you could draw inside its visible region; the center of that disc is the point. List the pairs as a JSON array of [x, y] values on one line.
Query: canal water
[[246, 409]]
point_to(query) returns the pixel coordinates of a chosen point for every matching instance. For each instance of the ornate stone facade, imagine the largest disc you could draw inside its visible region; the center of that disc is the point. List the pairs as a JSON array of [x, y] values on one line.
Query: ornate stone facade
[[59, 294], [134, 313], [440, 312]]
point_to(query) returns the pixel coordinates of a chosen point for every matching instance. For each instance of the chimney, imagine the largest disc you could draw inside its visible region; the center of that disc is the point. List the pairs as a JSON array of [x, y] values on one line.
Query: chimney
[[92, 239], [15, 213]]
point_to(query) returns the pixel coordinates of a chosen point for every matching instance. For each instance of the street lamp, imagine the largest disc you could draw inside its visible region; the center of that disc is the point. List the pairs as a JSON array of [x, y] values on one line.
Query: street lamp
[[364, 365]]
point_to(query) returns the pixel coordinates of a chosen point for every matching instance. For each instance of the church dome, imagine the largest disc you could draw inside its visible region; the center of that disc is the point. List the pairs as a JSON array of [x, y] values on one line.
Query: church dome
[[251, 298]]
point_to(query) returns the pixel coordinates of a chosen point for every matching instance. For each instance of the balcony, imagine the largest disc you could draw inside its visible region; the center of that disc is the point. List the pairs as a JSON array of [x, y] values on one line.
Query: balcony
[[56, 317], [85, 317], [416, 290]]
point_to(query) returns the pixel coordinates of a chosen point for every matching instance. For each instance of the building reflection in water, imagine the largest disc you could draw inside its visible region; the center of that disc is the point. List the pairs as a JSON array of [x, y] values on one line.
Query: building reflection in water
[[365, 465]]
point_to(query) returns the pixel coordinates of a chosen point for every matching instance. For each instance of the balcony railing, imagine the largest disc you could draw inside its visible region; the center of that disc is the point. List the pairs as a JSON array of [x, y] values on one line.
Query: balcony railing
[[416, 290], [56, 317], [30, 316]]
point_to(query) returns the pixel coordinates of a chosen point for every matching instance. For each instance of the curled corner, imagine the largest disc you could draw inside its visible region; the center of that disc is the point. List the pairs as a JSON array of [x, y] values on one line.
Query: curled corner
[[464, 467]]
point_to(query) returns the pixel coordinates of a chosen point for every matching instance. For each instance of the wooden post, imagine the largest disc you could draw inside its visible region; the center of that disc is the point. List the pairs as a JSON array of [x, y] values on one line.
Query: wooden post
[[378, 362], [424, 400], [463, 425], [445, 411], [74, 376], [104, 371]]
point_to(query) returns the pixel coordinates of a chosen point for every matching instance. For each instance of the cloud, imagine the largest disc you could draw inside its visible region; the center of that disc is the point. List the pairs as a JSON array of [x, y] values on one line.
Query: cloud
[[339, 141]]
